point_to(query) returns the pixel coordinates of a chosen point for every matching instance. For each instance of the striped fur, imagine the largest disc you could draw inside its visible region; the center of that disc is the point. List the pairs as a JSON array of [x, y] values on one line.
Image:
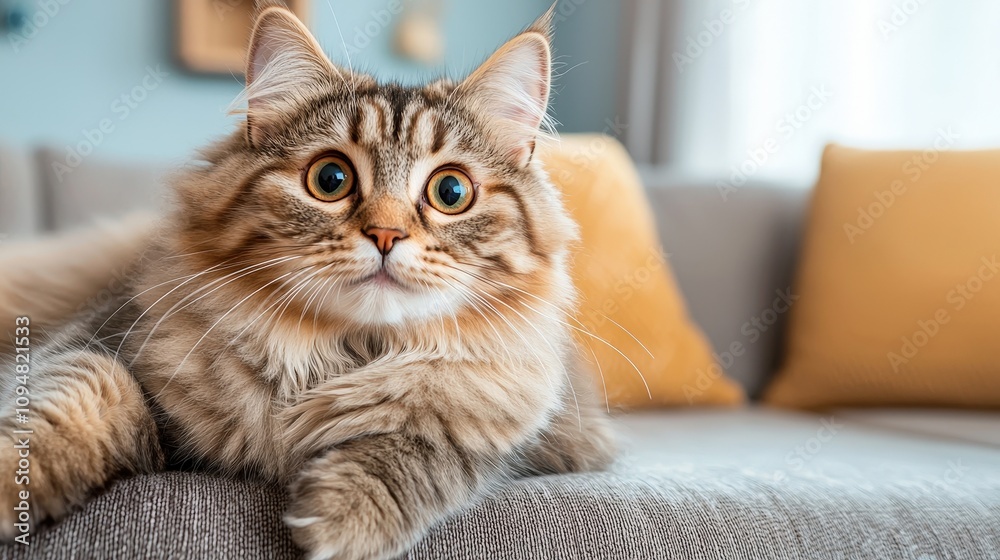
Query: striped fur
[[252, 340]]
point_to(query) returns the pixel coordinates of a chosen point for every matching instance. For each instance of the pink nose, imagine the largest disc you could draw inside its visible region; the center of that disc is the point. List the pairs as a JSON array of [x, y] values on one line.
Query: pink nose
[[384, 238]]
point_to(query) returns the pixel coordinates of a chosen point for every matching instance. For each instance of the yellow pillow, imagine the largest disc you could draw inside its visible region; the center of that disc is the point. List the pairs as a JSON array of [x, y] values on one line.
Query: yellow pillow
[[626, 285], [899, 283]]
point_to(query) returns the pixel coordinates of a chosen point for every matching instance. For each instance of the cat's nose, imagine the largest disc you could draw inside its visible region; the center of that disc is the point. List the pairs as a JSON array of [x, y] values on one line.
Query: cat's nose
[[384, 238]]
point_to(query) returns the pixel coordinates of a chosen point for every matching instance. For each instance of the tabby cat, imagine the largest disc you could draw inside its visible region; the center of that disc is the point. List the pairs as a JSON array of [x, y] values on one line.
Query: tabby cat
[[362, 293]]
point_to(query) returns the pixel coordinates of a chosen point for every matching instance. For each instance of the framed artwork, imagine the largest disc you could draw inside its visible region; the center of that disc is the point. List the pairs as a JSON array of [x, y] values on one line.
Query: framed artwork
[[212, 35]]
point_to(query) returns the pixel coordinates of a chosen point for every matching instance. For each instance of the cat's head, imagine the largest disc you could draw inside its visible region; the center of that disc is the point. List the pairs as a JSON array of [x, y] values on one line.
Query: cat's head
[[379, 203]]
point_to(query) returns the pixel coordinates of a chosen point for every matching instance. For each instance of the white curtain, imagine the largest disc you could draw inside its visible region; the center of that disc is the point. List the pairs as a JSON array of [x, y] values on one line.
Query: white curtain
[[773, 81]]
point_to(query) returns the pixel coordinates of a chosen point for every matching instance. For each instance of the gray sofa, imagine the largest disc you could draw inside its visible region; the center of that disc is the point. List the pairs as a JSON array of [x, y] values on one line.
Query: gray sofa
[[691, 483]]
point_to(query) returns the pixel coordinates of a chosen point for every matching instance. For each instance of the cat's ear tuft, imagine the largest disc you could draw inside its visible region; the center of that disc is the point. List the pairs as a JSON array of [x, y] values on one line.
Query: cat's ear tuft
[[545, 25], [283, 62], [512, 88]]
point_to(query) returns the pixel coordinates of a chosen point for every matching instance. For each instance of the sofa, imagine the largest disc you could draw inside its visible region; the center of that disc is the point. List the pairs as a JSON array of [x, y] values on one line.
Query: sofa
[[698, 483]]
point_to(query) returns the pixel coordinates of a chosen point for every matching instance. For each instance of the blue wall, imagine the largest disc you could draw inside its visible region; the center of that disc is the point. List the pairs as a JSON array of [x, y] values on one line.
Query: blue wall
[[71, 75], [588, 59]]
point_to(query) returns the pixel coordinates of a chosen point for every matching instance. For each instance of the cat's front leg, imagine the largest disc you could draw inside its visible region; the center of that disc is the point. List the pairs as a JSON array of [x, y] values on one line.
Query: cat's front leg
[[82, 421], [375, 497], [393, 451], [578, 438]]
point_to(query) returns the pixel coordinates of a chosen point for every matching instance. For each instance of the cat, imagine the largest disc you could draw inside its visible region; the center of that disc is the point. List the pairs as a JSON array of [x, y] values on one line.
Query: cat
[[362, 293]]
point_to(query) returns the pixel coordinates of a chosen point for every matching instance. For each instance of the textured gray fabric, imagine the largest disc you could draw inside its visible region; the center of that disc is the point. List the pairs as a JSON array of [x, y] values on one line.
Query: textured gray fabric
[[20, 208], [731, 257], [94, 190], [170, 515], [692, 484], [976, 426]]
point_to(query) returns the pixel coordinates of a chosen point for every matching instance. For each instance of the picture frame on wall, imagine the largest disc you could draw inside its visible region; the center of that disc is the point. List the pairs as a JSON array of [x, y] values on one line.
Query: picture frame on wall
[[212, 35]]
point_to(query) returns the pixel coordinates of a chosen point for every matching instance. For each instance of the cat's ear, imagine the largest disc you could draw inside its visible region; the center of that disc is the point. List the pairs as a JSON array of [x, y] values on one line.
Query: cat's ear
[[512, 88], [284, 61]]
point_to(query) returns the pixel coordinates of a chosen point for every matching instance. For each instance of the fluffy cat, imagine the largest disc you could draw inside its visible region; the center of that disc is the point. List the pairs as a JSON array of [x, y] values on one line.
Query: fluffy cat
[[362, 293]]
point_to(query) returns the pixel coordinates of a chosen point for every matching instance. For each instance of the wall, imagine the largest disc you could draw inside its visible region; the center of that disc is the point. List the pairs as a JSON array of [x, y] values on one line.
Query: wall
[[587, 57], [58, 86]]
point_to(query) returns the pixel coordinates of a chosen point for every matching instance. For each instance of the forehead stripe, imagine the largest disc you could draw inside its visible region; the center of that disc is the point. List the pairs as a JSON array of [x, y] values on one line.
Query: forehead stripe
[[440, 135]]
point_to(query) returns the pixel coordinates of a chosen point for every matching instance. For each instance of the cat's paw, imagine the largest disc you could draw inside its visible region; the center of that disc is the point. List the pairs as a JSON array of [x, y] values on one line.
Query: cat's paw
[[338, 511]]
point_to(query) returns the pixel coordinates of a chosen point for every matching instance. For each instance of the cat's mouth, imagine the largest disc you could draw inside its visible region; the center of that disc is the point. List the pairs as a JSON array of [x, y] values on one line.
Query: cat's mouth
[[382, 279]]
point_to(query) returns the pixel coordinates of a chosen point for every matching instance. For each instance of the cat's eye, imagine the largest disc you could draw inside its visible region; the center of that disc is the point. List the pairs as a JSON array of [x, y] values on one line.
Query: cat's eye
[[331, 178], [450, 191]]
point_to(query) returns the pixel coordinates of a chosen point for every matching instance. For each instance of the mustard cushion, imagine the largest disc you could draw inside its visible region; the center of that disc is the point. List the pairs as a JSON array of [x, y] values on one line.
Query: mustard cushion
[[627, 288], [899, 283]]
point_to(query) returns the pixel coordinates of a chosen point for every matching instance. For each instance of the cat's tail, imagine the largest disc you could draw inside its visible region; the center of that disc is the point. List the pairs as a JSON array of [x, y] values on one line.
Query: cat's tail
[[49, 280]]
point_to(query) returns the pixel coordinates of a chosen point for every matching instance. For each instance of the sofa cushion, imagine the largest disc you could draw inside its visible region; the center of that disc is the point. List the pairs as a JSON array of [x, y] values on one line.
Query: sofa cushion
[[692, 484], [20, 208], [900, 303], [94, 189], [634, 323], [976, 426], [734, 258]]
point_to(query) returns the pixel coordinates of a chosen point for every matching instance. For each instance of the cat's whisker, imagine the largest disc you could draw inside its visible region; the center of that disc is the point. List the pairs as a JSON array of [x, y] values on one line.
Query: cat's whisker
[[333, 281], [571, 317], [246, 271], [313, 293], [180, 305], [299, 286], [600, 372], [185, 255], [581, 330], [472, 303], [133, 298], [347, 53], [543, 337], [530, 348], [277, 293], [557, 319], [285, 295], [321, 286], [215, 324], [605, 342], [518, 332], [209, 270], [441, 312], [281, 299]]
